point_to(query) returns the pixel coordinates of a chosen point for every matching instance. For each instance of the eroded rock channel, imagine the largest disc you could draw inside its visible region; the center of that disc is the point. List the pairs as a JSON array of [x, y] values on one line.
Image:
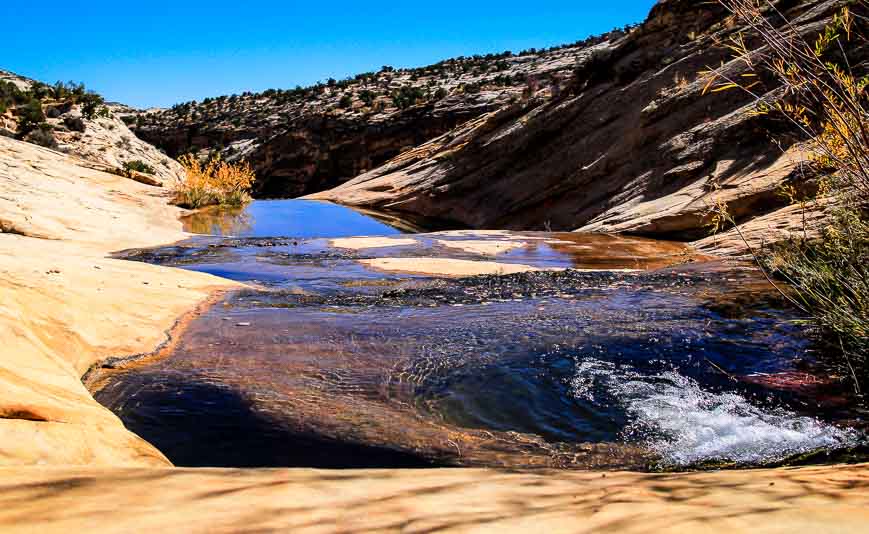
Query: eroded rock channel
[[563, 350]]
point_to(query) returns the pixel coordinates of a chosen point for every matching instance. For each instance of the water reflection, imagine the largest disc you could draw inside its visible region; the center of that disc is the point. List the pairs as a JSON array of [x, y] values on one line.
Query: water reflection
[[316, 263], [220, 221], [296, 218]]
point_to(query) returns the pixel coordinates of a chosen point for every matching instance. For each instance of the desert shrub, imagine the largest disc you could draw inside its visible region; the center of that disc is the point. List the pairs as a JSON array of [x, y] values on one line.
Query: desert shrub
[[75, 124], [124, 143], [66, 91], [40, 90], [215, 182], [831, 277], [138, 166], [92, 106], [42, 136], [346, 101], [10, 95], [367, 97], [30, 117], [822, 94], [407, 96]]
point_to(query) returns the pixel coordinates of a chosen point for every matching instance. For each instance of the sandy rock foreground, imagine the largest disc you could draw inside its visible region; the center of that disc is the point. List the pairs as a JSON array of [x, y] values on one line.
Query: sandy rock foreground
[[65, 306], [470, 500]]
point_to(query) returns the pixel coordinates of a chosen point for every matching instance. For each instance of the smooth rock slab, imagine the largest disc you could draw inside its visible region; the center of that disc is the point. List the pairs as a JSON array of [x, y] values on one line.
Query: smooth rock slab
[[811, 500]]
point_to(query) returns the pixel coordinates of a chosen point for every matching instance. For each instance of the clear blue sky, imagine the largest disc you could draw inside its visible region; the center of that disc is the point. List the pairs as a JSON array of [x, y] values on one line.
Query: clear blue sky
[[160, 53]]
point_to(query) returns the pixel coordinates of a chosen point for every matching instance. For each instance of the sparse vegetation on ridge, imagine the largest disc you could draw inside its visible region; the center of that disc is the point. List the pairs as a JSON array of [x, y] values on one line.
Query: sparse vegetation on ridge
[[29, 107], [388, 89]]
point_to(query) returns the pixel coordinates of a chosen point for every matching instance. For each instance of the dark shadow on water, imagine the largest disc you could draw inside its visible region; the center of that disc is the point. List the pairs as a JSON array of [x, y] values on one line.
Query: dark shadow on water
[[199, 424]]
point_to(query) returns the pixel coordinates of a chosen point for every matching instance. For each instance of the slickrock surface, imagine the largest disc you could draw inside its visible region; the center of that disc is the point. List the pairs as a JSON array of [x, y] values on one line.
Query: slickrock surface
[[633, 146], [484, 247], [65, 306], [360, 243], [109, 143], [811, 500]]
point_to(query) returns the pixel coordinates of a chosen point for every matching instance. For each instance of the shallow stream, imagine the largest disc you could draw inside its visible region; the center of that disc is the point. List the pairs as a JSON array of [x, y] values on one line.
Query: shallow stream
[[641, 355]]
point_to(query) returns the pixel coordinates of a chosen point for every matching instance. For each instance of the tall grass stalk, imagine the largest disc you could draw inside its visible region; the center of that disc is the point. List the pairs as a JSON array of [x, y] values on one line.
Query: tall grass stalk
[[821, 77]]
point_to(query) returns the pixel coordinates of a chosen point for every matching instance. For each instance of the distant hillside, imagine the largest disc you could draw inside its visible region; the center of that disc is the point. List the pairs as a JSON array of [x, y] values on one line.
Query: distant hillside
[[68, 118], [305, 140]]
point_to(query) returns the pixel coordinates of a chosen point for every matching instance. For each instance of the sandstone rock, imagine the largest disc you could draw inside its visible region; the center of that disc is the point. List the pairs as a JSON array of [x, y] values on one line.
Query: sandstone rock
[[67, 307], [109, 142], [810, 500], [635, 148], [447, 266], [11, 77], [105, 142], [308, 143]]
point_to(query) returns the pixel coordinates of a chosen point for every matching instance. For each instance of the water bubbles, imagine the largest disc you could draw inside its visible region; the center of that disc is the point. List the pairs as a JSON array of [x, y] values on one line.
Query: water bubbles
[[686, 425]]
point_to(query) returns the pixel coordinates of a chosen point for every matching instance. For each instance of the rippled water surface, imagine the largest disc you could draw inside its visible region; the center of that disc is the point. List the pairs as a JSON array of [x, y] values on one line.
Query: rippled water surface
[[331, 364]]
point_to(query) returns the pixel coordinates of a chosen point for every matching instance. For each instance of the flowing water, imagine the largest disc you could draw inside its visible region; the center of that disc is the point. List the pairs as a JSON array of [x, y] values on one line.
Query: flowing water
[[634, 357]]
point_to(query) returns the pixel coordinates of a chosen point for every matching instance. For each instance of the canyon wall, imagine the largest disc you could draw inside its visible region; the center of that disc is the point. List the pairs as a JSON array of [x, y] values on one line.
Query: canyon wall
[[634, 145], [304, 141]]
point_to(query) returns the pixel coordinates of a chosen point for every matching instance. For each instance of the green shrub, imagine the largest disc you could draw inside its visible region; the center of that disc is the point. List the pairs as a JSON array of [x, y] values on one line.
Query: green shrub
[[367, 97], [30, 117], [92, 106], [831, 278], [823, 96], [407, 96], [42, 136], [138, 166]]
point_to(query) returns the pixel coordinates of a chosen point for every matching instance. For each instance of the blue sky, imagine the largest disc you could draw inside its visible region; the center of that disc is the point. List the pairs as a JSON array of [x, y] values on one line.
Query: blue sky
[[161, 53]]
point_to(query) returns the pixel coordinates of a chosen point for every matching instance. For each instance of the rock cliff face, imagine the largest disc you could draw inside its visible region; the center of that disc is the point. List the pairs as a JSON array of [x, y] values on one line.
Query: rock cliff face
[[634, 147], [103, 142], [307, 140]]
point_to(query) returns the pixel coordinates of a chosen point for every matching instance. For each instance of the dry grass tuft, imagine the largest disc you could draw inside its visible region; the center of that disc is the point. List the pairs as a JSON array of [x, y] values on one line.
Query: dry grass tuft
[[216, 182]]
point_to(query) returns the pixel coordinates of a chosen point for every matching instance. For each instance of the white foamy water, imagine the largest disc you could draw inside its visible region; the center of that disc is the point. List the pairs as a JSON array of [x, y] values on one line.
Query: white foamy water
[[685, 424]]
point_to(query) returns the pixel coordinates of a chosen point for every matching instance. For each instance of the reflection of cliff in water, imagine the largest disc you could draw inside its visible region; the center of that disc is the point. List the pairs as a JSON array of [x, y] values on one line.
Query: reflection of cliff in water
[[407, 222], [219, 220], [299, 218]]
